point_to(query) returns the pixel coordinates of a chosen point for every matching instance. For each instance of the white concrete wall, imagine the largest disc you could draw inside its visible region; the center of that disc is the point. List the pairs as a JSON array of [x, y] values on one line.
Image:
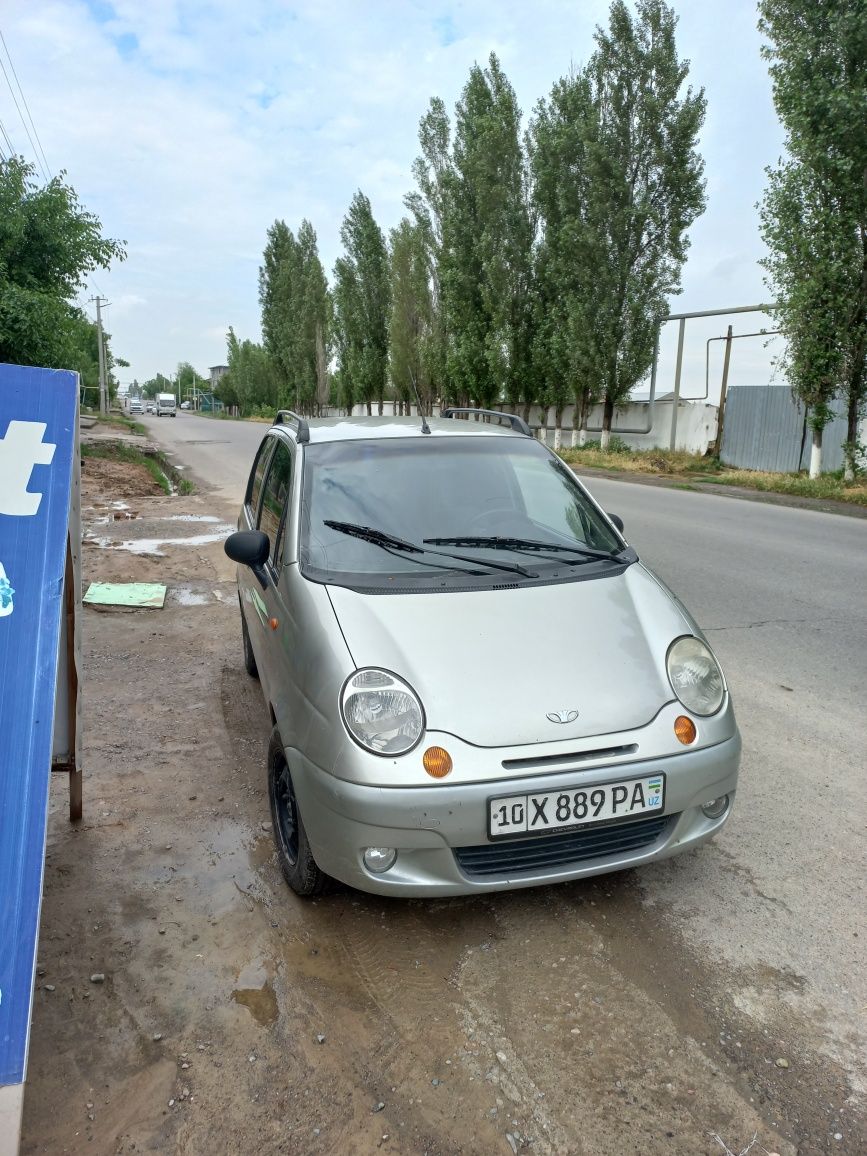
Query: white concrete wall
[[696, 424]]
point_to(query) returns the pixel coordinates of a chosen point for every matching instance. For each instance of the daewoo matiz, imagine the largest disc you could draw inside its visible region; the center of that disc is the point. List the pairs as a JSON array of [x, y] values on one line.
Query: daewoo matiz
[[473, 681]]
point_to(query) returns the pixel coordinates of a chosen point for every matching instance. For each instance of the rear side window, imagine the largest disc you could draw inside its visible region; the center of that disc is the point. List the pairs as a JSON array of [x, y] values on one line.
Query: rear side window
[[255, 486], [274, 496]]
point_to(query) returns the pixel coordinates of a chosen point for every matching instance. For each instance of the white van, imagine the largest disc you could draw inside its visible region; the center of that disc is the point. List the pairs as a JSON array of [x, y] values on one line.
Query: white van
[[165, 403]]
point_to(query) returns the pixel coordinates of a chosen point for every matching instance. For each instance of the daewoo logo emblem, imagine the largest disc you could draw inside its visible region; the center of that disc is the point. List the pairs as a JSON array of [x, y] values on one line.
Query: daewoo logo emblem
[[563, 716]]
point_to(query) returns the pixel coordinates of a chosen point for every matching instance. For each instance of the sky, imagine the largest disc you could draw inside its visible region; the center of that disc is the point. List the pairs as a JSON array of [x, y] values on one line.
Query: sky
[[189, 126]]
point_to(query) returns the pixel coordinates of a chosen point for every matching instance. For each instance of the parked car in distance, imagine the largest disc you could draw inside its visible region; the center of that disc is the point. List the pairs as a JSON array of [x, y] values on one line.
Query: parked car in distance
[[475, 683], [185, 405]]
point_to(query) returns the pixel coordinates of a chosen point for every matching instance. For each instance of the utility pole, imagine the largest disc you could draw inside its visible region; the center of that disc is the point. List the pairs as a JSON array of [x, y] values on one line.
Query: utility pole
[[103, 388], [722, 393]]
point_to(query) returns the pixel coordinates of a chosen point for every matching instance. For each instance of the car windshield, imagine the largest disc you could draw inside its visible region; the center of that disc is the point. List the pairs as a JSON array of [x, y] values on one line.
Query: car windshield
[[483, 501]]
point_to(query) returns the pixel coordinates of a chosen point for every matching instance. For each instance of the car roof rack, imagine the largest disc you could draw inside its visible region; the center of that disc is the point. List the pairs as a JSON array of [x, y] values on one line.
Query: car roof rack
[[284, 416], [517, 423]]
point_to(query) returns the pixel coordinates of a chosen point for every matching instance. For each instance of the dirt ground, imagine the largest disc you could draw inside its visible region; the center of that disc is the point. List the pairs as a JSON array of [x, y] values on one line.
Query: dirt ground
[[232, 1017]]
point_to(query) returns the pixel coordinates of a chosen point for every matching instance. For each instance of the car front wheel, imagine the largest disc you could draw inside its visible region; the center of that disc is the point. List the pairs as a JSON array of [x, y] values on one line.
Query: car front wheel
[[296, 859]]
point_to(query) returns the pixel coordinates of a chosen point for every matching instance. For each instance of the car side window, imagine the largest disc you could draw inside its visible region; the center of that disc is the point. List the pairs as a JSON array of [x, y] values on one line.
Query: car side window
[[274, 496], [254, 487]]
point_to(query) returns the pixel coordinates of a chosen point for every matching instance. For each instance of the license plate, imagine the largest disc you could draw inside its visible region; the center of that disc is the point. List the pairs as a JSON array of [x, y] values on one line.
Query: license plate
[[549, 812]]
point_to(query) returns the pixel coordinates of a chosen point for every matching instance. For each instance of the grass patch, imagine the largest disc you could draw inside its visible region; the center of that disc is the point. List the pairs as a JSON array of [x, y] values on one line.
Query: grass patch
[[680, 464], [828, 487], [120, 421], [638, 461], [161, 470]]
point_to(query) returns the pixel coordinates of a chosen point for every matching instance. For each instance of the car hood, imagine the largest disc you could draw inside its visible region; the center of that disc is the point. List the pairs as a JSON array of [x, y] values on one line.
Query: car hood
[[491, 666]]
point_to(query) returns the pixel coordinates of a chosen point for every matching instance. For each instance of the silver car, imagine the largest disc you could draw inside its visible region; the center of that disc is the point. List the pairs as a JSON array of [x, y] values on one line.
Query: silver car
[[473, 681]]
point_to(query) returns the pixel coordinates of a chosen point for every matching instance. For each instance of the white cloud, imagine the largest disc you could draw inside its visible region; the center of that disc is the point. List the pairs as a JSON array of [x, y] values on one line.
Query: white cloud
[[188, 126]]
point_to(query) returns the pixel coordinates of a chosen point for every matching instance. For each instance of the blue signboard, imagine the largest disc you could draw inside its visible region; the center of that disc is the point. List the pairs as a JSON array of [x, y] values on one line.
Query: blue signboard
[[38, 412]]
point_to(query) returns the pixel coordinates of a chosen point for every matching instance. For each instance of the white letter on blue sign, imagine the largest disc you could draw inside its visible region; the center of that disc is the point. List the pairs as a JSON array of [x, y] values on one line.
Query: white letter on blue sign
[[21, 450]]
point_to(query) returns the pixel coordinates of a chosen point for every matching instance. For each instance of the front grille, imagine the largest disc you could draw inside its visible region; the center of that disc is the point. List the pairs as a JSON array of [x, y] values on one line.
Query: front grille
[[524, 856], [539, 761]]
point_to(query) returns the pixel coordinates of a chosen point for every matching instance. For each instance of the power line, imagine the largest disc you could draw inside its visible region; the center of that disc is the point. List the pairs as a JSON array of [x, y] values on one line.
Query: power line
[[23, 121], [26, 105], [8, 140]]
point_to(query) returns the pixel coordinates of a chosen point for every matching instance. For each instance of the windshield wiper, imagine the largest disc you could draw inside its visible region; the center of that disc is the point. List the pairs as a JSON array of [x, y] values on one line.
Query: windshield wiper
[[390, 543], [524, 545], [378, 537]]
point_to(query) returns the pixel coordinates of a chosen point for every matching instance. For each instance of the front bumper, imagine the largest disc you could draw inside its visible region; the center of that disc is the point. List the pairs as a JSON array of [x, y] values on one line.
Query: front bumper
[[427, 825]]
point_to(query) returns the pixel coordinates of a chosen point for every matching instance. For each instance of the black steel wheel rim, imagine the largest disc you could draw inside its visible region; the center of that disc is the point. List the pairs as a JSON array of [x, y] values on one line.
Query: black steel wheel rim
[[287, 814]]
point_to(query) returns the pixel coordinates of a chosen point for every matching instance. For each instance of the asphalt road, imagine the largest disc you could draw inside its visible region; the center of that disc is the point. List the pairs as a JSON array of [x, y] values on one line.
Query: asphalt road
[[776, 909]]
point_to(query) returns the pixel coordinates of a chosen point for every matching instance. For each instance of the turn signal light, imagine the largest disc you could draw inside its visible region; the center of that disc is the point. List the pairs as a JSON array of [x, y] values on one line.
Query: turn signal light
[[684, 729], [437, 762]]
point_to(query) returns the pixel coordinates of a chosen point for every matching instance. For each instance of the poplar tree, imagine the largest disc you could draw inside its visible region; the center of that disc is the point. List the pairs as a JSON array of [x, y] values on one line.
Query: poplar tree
[[296, 312], [638, 188], [566, 284], [362, 304], [412, 323], [486, 256], [429, 205], [814, 212]]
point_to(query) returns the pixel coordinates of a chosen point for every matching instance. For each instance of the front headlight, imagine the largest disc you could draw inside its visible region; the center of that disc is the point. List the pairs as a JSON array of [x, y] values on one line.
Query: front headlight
[[695, 676], [381, 712]]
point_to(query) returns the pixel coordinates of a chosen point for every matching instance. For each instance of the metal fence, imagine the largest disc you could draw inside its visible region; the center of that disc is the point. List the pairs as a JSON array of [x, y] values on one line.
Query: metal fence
[[764, 430]]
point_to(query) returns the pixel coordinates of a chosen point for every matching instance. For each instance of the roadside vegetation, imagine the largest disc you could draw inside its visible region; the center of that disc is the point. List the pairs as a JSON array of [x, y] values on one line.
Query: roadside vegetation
[[156, 464], [49, 245], [695, 468], [118, 421]]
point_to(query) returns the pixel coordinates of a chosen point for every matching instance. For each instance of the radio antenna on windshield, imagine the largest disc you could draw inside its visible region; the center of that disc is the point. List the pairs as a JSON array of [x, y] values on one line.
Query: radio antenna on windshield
[[425, 428]]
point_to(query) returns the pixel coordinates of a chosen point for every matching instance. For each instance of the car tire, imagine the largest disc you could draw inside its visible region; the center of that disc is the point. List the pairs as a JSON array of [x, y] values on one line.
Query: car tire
[[249, 657], [293, 850]]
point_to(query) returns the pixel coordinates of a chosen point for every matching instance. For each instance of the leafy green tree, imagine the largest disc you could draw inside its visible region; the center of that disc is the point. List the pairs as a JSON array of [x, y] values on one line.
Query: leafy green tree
[[362, 304], [411, 325], [252, 382], [187, 382], [296, 315], [428, 204], [814, 212], [486, 260], [641, 187], [84, 355], [48, 245], [158, 384], [565, 286]]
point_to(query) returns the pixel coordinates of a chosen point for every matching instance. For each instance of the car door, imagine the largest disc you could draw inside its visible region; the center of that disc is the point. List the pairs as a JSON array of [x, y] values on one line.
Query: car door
[[268, 605], [249, 590]]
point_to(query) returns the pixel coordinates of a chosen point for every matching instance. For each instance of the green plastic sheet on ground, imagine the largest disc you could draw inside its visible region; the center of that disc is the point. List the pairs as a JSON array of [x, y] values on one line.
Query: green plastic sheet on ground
[[151, 594]]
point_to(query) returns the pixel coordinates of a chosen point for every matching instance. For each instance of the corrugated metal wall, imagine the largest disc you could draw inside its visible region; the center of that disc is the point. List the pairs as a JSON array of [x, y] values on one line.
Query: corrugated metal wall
[[764, 427]]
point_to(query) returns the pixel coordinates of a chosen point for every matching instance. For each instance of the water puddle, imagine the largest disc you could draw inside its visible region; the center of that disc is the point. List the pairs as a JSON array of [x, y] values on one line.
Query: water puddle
[[151, 546], [256, 993], [188, 518], [188, 597]]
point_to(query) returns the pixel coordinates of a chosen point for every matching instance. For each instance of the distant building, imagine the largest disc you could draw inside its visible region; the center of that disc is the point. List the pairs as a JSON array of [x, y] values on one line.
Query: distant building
[[216, 372]]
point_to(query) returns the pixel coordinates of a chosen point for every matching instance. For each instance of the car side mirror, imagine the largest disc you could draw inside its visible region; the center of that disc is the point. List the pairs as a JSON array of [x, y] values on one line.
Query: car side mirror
[[250, 548], [617, 520]]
